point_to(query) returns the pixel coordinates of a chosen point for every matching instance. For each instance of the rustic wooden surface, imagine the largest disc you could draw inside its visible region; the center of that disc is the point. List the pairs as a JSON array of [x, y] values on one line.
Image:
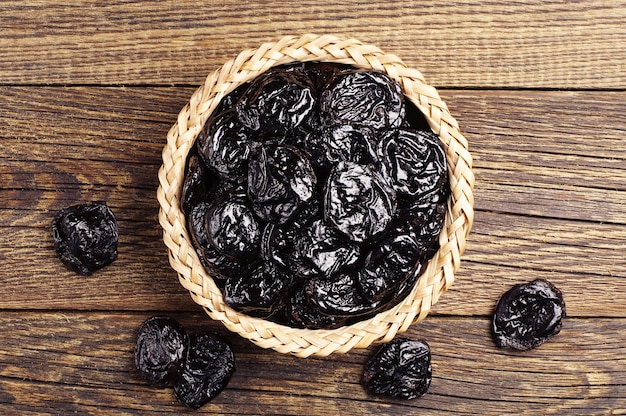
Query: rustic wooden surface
[[88, 92]]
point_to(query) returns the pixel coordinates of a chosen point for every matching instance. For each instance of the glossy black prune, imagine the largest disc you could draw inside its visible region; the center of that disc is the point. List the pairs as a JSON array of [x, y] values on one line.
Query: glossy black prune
[[258, 293], [387, 266], [358, 201], [85, 237], [320, 157], [280, 181], [195, 185], [319, 250], [233, 229], [400, 369], [208, 367], [220, 265], [360, 98], [277, 102], [338, 296], [414, 161], [224, 146], [527, 315], [161, 347]]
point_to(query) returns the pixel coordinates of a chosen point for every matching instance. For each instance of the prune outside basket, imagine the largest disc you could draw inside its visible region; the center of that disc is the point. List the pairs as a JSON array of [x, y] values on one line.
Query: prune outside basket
[[437, 276]]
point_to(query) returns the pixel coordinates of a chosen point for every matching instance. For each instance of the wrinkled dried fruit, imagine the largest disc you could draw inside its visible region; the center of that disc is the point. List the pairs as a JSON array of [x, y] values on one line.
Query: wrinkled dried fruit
[[400, 369], [207, 368], [277, 102], [315, 195], [161, 347], [360, 98], [85, 237], [258, 293], [414, 162], [280, 181], [527, 315], [358, 202]]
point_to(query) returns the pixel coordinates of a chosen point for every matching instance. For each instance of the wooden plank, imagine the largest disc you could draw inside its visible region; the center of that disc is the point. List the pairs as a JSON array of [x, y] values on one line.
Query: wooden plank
[[551, 204], [531, 44], [83, 363]]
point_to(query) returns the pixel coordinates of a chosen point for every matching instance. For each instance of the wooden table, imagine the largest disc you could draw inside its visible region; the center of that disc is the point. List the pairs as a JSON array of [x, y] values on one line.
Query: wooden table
[[88, 92]]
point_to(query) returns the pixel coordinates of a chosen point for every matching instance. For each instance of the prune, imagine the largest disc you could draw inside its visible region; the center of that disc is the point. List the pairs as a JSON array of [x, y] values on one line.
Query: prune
[[218, 264], [233, 229], [527, 315], [256, 294], [300, 313], [224, 146], [85, 237], [280, 181], [277, 102], [370, 99], [195, 184], [318, 196], [208, 367], [162, 344], [338, 296], [341, 143], [320, 251], [358, 202], [387, 266], [414, 160], [400, 369]]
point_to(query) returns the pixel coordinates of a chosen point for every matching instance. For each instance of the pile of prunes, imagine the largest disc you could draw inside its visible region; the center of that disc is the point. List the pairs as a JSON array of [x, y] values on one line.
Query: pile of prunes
[[315, 194]]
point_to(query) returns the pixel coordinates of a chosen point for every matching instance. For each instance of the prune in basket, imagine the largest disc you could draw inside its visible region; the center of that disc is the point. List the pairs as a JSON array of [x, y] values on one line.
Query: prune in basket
[[208, 367], [280, 181], [527, 315], [414, 160], [224, 146], [233, 229], [358, 201], [162, 344], [258, 293], [400, 369], [277, 102], [85, 237], [387, 266], [360, 98]]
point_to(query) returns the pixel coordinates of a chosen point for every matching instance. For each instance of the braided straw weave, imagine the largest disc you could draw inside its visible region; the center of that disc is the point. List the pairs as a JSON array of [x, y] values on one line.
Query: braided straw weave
[[437, 276]]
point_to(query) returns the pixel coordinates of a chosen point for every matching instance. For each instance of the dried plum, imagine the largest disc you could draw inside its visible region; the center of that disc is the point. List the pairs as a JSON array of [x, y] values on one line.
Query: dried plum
[[224, 146], [277, 102], [341, 143], [338, 296], [370, 99], [414, 160], [85, 237], [387, 266], [218, 264], [315, 195], [400, 369], [196, 182], [257, 294], [527, 315], [280, 181], [320, 251], [162, 344], [358, 202], [208, 367], [233, 229]]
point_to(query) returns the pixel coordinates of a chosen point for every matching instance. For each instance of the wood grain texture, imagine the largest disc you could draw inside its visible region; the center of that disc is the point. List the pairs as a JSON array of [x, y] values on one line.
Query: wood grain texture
[[530, 44], [89, 90], [83, 363]]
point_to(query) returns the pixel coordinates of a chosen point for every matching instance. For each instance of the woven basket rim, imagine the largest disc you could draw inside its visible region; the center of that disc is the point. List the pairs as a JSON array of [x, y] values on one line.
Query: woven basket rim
[[438, 275]]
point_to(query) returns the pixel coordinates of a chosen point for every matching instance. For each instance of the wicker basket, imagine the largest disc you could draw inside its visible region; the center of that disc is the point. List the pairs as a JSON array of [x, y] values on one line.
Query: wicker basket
[[437, 276]]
